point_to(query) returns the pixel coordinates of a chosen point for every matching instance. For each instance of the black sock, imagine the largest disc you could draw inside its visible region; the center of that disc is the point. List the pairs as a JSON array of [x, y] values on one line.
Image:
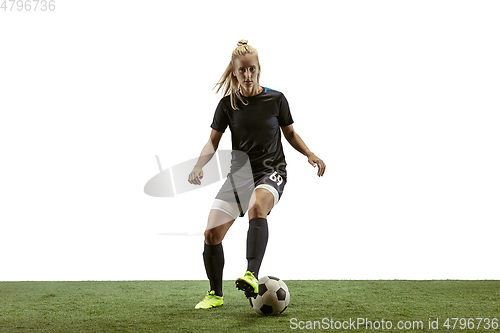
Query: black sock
[[256, 243], [213, 257]]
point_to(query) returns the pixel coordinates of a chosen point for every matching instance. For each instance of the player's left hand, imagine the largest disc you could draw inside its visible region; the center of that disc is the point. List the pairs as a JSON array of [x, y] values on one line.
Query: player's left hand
[[315, 160]]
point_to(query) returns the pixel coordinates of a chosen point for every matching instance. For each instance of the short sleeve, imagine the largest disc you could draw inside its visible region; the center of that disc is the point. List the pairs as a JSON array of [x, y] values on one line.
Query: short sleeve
[[284, 116], [220, 121]]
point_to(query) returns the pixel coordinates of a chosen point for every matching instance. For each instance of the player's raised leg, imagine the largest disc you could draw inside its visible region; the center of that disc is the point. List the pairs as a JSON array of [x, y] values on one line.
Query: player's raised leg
[[261, 203], [218, 224]]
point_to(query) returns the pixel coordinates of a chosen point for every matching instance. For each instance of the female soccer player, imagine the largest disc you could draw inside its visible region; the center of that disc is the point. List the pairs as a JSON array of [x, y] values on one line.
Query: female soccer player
[[254, 115]]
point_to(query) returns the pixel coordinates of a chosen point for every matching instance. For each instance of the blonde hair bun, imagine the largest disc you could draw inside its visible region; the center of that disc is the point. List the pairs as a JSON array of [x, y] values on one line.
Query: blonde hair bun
[[242, 42]]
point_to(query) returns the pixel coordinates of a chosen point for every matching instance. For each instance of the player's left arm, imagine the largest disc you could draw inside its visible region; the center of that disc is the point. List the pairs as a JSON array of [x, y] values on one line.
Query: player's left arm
[[296, 141]]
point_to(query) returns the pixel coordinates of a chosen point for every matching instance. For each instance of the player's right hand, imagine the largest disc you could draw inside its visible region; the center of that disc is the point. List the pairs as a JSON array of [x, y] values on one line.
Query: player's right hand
[[195, 176]]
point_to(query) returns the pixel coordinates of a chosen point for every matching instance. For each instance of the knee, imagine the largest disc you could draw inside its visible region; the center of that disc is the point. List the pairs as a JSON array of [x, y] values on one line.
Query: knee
[[257, 210], [212, 237]]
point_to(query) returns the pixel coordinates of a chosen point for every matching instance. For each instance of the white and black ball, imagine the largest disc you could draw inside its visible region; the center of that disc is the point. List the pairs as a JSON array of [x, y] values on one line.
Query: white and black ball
[[273, 297]]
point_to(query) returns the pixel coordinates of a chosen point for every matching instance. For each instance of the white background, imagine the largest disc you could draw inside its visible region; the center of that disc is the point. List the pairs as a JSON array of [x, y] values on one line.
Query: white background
[[399, 98]]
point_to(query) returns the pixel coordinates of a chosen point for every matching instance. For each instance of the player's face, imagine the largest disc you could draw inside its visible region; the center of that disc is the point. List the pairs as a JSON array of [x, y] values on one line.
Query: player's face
[[246, 71]]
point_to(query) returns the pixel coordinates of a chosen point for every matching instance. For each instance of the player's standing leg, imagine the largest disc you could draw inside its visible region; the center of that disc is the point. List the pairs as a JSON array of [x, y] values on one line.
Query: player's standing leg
[[213, 256]]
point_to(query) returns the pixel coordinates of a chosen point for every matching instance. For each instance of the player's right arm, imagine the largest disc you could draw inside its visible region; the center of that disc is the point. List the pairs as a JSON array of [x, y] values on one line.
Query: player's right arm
[[206, 155]]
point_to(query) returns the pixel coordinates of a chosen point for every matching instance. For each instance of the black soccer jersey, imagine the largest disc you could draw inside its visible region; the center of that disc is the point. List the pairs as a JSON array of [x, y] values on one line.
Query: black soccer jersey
[[255, 129]]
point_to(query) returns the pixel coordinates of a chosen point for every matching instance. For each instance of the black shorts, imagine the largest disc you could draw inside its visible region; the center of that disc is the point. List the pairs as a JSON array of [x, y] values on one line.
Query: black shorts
[[236, 192]]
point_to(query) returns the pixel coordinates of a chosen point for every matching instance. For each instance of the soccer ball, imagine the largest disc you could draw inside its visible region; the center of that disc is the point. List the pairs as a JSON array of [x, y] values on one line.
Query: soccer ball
[[273, 297]]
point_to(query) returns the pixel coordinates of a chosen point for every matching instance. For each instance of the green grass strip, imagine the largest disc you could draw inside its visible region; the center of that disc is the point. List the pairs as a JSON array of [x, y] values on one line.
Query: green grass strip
[[168, 306]]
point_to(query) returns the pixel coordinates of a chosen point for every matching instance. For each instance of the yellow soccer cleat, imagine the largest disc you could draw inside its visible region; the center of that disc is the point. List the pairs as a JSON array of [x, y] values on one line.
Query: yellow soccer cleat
[[249, 284], [210, 301]]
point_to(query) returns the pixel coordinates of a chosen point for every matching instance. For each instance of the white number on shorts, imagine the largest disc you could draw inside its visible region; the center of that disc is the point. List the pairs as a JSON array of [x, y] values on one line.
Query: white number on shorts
[[275, 178]]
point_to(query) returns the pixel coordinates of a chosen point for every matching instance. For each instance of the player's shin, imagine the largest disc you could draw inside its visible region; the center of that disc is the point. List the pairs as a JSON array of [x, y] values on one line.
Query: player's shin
[[213, 258], [257, 237]]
